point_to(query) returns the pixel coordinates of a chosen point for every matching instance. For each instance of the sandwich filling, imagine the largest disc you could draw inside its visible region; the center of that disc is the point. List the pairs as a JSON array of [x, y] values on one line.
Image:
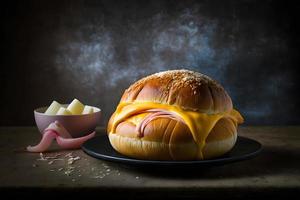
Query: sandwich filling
[[200, 124], [155, 114]]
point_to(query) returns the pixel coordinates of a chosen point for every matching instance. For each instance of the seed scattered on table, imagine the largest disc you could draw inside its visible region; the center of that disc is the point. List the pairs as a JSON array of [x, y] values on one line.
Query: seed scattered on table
[[71, 170]]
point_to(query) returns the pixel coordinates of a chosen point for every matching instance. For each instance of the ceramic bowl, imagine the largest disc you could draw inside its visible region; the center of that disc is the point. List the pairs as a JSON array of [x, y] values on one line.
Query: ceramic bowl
[[77, 125]]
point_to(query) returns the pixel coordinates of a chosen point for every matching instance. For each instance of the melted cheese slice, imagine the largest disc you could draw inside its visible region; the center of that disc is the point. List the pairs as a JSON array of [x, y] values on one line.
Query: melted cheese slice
[[200, 124]]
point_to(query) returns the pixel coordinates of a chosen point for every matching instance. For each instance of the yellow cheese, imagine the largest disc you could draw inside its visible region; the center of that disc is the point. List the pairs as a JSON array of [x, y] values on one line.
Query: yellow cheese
[[200, 124]]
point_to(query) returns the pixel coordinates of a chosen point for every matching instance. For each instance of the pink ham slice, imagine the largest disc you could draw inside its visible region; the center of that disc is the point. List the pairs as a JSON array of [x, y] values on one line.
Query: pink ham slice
[[73, 143], [59, 128], [154, 114], [56, 131], [44, 144]]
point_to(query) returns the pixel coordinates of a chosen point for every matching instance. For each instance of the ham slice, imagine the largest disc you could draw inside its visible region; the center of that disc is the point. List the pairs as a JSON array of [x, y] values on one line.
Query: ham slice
[[63, 138], [45, 142], [154, 114], [59, 128], [73, 143]]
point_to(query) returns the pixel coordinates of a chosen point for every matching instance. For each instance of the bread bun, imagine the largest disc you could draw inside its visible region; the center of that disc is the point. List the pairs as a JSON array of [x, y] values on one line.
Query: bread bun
[[183, 88], [190, 99]]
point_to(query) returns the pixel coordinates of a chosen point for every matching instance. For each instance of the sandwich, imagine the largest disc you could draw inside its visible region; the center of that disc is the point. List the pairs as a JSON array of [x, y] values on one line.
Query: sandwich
[[174, 115]]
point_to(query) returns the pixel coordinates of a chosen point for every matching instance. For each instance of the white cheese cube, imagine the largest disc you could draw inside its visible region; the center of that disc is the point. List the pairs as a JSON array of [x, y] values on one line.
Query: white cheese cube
[[53, 108], [75, 107], [87, 110], [63, 111]]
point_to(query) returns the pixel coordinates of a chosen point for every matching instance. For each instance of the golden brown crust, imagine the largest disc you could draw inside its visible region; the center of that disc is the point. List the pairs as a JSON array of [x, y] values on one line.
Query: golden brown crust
[[186, 89]]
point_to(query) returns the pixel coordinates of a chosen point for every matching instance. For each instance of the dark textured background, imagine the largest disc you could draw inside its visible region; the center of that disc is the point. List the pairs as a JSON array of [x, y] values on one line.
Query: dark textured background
[[93, 50]]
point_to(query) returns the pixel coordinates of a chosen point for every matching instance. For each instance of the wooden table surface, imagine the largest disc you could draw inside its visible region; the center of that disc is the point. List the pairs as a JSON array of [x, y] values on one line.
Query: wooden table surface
[[275, 172]]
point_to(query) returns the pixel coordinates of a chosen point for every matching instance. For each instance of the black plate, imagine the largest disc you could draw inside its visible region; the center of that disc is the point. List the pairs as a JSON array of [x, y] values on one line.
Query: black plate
[[99, 147]]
